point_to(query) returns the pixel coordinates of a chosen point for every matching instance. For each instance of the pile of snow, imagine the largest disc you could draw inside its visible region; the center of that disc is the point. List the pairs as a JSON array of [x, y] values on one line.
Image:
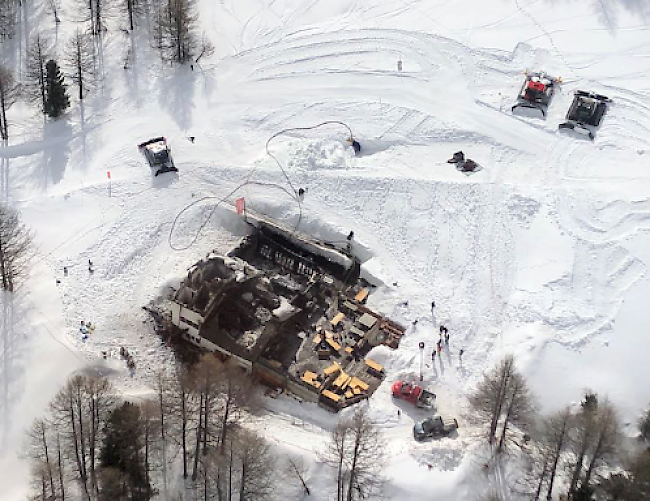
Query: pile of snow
[[321, 155]]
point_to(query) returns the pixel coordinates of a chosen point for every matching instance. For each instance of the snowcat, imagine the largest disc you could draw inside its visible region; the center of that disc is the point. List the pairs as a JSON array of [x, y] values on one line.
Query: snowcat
[[414, 394], [158, 154], [586, 112], [434, 427], [536, 92]]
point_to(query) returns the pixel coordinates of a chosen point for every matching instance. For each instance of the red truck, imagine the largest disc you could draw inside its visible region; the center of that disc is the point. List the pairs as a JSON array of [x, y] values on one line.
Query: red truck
[[413, 393]]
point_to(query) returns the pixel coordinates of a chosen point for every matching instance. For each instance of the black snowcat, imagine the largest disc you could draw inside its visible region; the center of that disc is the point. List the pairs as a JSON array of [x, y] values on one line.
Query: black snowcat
[[158, 154], [586, 112]]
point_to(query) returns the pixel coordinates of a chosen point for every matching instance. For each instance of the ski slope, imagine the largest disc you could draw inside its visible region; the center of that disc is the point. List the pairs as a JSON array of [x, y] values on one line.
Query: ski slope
[[543, 254]]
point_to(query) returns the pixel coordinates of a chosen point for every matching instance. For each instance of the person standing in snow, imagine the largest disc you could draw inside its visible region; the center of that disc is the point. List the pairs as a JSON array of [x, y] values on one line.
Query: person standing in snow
[[460, 355], [439, 346], [447, 338], [433, 305]]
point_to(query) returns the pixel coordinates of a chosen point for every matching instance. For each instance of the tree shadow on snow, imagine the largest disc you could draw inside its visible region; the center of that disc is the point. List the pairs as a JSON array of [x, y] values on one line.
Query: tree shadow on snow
[[56, 151], [12, 367], [640, 8], [177, 95], [608, 12]]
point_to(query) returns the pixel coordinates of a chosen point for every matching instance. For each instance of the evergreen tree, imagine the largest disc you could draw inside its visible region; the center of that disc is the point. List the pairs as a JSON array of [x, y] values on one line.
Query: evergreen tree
[[56, 99], [122, 452]]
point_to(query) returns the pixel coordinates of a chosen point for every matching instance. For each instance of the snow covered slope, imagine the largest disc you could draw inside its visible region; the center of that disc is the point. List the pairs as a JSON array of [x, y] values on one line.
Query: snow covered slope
[[542, 254]]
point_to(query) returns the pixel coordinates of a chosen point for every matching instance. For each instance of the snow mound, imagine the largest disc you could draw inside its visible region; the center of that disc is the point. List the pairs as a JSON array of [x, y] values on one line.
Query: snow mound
[[321, 155]]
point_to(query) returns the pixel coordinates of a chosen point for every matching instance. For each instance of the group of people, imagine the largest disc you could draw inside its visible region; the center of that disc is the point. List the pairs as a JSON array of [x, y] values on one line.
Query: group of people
[[86, 329], [444, 336]]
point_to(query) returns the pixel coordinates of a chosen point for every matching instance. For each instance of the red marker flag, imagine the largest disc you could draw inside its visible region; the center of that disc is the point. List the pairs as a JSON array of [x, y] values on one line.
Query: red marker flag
[[108, 173], [240, 204]]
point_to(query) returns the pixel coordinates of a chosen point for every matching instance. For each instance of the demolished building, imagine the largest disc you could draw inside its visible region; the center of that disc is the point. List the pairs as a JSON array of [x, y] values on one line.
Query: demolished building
[[289, 310]]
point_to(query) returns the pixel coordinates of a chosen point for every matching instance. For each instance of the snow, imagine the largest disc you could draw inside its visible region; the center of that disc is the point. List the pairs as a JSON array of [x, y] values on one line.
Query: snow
[[542, 254]]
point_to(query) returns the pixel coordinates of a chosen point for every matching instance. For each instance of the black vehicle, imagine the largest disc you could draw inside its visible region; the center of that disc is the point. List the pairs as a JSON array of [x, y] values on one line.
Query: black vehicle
[[536, 92], [586, 112], [158, 154], [434, 427]]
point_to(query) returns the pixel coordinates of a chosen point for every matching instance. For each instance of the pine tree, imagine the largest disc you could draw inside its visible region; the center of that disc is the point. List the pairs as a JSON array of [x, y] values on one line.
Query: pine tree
[[56, 100], [123, 451]]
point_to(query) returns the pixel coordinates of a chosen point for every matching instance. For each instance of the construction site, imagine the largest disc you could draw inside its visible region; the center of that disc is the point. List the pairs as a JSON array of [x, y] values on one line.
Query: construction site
[[291, 311]]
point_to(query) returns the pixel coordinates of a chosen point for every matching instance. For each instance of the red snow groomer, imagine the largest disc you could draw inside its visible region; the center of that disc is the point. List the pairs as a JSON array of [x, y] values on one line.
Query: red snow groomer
[[536, 92], [413, 393]]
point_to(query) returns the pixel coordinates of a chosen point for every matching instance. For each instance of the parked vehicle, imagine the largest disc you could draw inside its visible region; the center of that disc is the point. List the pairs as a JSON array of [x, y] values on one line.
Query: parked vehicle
[[586, 112], [536, 92], [414, 394], [158, 154], [434, 427]]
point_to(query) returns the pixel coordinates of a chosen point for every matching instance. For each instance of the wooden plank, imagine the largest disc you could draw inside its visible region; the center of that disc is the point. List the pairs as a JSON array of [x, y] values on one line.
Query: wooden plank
[[332, 396], [341, 380], [361, 296], [337, 318], [359, 383], [374, 365], [335, 367], [333, 344]]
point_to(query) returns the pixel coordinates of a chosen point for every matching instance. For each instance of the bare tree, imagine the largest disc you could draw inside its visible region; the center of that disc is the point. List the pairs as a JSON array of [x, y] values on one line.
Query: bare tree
[[38, 55], [183, 408], [256, 467], [15, 248], [79, 411], [557, 433], [245, 470], [356, 451], [96, 13], [502, 398], [207, 375], [80, 57], [150, 418], [606, 442], [164, 409], [205, 48], [8, 96], [594, 443], [54, 7], [175, 30], [298, 468], [9, 18], [237, 398], [134, 10], [552, 441], [518, 409], [42, 452]]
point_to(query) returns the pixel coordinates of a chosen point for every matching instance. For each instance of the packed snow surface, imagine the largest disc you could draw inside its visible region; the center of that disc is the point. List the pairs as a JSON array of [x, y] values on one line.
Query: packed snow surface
[[542, 254]]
